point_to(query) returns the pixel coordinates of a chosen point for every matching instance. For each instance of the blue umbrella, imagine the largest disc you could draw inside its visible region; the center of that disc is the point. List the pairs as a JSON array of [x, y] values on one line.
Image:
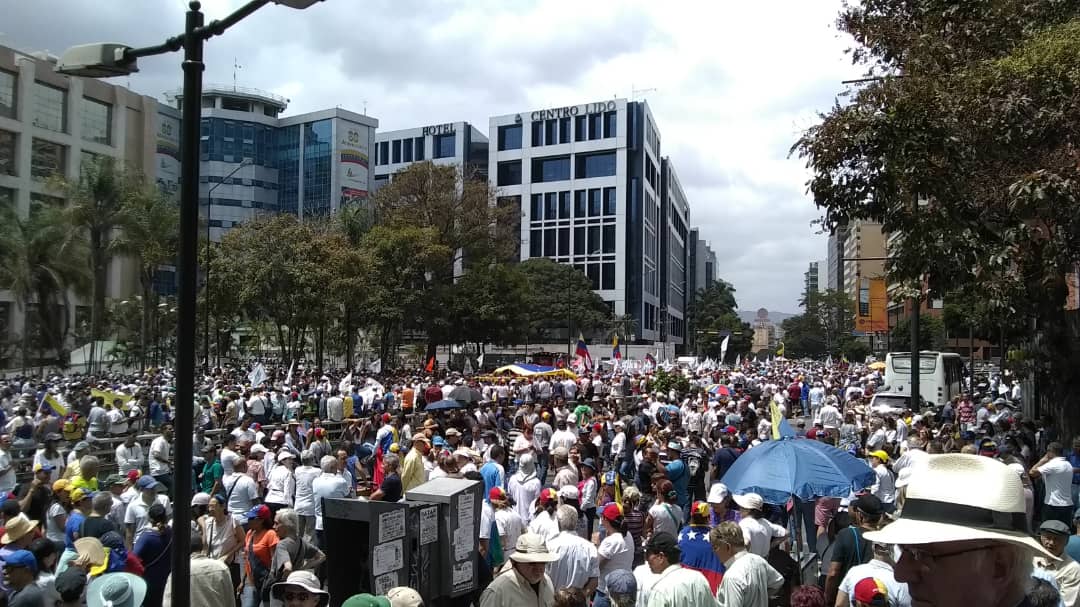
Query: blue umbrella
[[443, 405], [779, 469]]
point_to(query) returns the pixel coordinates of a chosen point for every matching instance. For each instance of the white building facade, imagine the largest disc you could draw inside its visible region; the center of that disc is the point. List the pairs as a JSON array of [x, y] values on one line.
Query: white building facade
[[453, 144]]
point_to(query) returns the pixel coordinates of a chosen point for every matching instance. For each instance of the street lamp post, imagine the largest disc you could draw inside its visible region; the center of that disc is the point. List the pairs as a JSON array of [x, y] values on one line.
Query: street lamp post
[[206, 273], [106, 60]]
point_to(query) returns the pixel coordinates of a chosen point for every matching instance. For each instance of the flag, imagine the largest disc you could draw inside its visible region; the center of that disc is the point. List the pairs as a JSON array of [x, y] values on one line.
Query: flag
[[345, 387], [375, 366], [650, 362], [54, 405], [828, 362], [288, 378], [723, 347], [468, 366], [780, 349], [582, 351], [738, 360], [258, 375], [697, 553], [780, 426], [615, 353], [430, 366], [110, 397], [495, 556]]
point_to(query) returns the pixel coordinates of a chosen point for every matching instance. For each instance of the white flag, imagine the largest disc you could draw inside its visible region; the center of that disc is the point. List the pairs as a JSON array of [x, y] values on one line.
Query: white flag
[[738, 361], [723, 347], [346, 384], [257, 375], [828, 362], [288, 378], [480, 361], [468, 365], [375, 366]]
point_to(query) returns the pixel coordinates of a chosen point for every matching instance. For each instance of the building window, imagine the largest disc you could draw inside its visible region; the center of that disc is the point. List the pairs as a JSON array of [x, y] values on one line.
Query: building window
[[610, 124], [418, 143], [581, 207], [396, 146], [564, 205], [551, 169], [579, 240], [407, 149], [46, 159], [592, 270], [549, 243], [537, 207], [88, 159], [7, 153], [595, 126], [537, 133], [593, 245], [551, 131], [595, 165], [564, 130], [564, 242], [50, 108], [444, 146], [595, 202], [551, 204], [96, 121], [7, 198], [510, 137], [509, 173], [607, 275], [384, 152], [236, 105], [536, 243], [7, 94], [609, 201], [580, 128]]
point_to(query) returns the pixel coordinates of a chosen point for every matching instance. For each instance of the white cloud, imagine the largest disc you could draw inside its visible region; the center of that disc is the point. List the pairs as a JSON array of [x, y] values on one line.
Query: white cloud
[[737, 82]]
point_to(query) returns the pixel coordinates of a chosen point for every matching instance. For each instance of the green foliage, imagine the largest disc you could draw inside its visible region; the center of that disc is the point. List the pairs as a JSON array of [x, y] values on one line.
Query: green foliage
[[712, 316], [804, 336], [491, 305], [931, 334], [557, 292], [664, 381]]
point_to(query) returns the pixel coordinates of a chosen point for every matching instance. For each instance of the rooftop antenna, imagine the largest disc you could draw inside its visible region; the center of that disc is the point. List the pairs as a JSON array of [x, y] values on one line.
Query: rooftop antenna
[[235, 66], [365, 107]]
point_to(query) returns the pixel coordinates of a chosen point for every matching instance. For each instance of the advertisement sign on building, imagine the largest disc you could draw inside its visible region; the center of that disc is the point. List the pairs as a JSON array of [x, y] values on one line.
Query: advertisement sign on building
[[871, 315], [352, 155]]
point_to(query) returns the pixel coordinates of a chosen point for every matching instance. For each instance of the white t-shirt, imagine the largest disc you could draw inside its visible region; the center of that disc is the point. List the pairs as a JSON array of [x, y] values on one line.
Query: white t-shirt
[[7, 480], [57, 462], [305, 498], [327, 486], [616, 552], [242, 492], [510, 526], [228, 460], [159, 447], [1057, 476]]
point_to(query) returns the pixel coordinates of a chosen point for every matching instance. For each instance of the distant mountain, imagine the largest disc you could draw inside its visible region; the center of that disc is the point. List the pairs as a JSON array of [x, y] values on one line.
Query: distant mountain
[[776, 317]]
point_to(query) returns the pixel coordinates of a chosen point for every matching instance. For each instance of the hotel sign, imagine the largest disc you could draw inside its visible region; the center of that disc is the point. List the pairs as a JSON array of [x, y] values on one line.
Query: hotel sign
[[439, 129], [574, 110]]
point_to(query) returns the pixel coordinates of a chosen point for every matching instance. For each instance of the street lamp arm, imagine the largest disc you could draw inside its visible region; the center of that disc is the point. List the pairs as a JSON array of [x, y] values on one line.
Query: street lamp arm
[[214, 28]]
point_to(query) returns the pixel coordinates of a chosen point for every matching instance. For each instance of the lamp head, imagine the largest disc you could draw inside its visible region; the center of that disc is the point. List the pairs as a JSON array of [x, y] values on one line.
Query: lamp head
[[100, 60], [297, 4]]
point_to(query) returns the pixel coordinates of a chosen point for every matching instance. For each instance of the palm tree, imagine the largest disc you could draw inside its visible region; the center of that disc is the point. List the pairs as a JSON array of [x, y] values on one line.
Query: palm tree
[[95, 205], [625, 326], [150, 233], [41, 261]]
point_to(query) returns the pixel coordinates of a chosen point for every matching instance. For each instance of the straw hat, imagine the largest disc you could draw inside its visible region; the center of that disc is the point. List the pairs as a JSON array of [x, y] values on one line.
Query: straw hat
[[305, 580], [957, 497], [530, 548], [17, 528]]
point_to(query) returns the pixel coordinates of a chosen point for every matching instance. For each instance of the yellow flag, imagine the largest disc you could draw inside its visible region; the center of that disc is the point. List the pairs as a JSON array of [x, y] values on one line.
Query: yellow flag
[[780, 349], [774, 413]]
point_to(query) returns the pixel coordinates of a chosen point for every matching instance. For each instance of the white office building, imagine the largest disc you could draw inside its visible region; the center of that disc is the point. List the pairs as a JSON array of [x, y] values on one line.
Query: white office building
[[587, 178], [453, 143]]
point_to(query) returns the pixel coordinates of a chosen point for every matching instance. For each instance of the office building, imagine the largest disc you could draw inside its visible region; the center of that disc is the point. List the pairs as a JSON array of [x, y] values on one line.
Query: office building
[[675, 234], [588, 181], [457, 144], [835, 258], [255, 161], [702, 267], [814, 279], [51, 124]]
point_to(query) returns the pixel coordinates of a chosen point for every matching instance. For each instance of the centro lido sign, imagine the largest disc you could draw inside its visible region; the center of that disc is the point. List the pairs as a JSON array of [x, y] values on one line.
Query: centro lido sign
[[573, 110]]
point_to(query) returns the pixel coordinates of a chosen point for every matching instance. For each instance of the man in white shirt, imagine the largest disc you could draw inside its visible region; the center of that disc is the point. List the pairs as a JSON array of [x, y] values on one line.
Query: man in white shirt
[[562, 437], [129, 455], [335, 407], [675, 585], [880, 568], [118, 424], [830, 416], [281, 485], [748, 580], [578, 565], [7, 466], [242, 492], [758, 532], [1057, 473], [136, 517], [329, 484], [817, 400], [229, 456], [161, 457]]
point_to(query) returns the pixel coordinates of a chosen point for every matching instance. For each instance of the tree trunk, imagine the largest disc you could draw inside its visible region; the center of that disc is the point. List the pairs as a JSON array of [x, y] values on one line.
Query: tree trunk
[[144, 328], [348, 337], [320, 344], [97, 261], [283, 346]]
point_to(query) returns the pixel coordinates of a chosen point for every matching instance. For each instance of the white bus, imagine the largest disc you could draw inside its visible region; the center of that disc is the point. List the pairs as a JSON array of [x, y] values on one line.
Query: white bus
[[940, 375]]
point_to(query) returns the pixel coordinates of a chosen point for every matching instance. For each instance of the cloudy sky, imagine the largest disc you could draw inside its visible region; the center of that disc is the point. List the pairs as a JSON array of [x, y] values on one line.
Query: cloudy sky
[[735, 83]]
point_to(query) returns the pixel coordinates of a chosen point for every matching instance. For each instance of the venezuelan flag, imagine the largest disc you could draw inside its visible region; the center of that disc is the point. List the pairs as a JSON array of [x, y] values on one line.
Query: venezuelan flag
[[54, 405]]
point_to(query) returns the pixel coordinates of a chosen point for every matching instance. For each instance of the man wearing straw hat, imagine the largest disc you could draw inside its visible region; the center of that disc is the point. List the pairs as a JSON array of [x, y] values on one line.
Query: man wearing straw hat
[[963, 534], [525, 582]]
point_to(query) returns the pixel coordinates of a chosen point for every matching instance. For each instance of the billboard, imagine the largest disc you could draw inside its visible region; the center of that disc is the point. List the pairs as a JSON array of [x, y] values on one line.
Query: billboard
[[870, 313], [167, 156], [352, 158]]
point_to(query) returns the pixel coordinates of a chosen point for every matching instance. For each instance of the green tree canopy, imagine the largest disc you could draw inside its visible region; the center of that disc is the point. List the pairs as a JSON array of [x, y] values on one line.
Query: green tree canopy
[[713, 316], [557, 292]]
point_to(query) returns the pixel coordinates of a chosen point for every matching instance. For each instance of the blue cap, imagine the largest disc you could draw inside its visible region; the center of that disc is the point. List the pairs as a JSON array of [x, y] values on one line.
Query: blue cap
[[439, 441], [621, 582], [146, 482], [21, 558], [518, 401]]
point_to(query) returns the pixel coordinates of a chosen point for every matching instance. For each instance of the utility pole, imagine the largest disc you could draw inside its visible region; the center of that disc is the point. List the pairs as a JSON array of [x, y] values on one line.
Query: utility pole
[[915, 357]]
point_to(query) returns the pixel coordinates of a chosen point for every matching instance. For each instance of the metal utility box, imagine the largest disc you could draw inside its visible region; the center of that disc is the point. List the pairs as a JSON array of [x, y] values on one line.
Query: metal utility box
[[452, 538], [367, 546]]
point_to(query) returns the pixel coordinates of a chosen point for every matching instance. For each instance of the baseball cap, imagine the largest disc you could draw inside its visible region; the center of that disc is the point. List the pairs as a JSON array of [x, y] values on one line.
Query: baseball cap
[[612, 512], [261, 511], [61, 485], [44, 467], [146, 482], [871, 591], [133, 475], [718, 493], [366, 600], [661, 542], [547, 496], [79, 494], [868, 504], [881, 455], [403, 596], [385, 417], [21, 558], [496, 493], [568, 492]]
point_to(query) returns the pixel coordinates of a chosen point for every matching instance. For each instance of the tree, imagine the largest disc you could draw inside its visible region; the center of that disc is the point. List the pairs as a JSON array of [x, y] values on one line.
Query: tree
[[150, 233], [41, 261], [491, 305], [835, 315], [96, 205], [557, 294], [353, 221], [804, 336], [712, 316], [931, 334]]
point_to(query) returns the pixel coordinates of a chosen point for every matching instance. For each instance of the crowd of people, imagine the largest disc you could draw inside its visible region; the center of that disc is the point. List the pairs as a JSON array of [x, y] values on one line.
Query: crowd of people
[[599, 490]]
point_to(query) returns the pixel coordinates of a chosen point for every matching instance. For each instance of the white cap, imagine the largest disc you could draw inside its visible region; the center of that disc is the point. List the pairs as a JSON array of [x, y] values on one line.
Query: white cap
[[718, 493], [750, 501]]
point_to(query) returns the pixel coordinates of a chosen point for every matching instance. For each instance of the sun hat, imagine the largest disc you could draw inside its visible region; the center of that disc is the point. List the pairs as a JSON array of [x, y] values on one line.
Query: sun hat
[[403, 596], [568, 492], [871, 591], [200, 499], [718, 493], [960, 497], [530, 548], [305, 580], [750, 501], [21, 558], [116, 590], [452, 432], [94, 552], [284, 455], [366, 600], [17, 528]]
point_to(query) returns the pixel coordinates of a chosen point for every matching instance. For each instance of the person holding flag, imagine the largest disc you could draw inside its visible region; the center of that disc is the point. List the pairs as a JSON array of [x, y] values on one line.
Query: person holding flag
[[582, 352]]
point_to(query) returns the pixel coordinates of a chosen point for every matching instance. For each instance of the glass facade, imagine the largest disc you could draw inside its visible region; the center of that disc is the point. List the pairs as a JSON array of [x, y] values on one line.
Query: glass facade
[[550, 169], [96, 121], [7, 153], [510, 137], [46, 159], [595, 165], [509, 173], [233, 140], [7, 94], [318, 157], [289, 169], [444, 146], [50, 105]]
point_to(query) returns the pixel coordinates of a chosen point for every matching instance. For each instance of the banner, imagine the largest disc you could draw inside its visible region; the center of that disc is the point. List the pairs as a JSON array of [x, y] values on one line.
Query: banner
[[723, 348], [871, 315], [257, 375], [375, 366], [345, 387], [288, 378], [110, 397]]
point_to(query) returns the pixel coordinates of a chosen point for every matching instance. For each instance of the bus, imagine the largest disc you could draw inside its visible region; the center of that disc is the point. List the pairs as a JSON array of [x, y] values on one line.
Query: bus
[[941, 375]]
